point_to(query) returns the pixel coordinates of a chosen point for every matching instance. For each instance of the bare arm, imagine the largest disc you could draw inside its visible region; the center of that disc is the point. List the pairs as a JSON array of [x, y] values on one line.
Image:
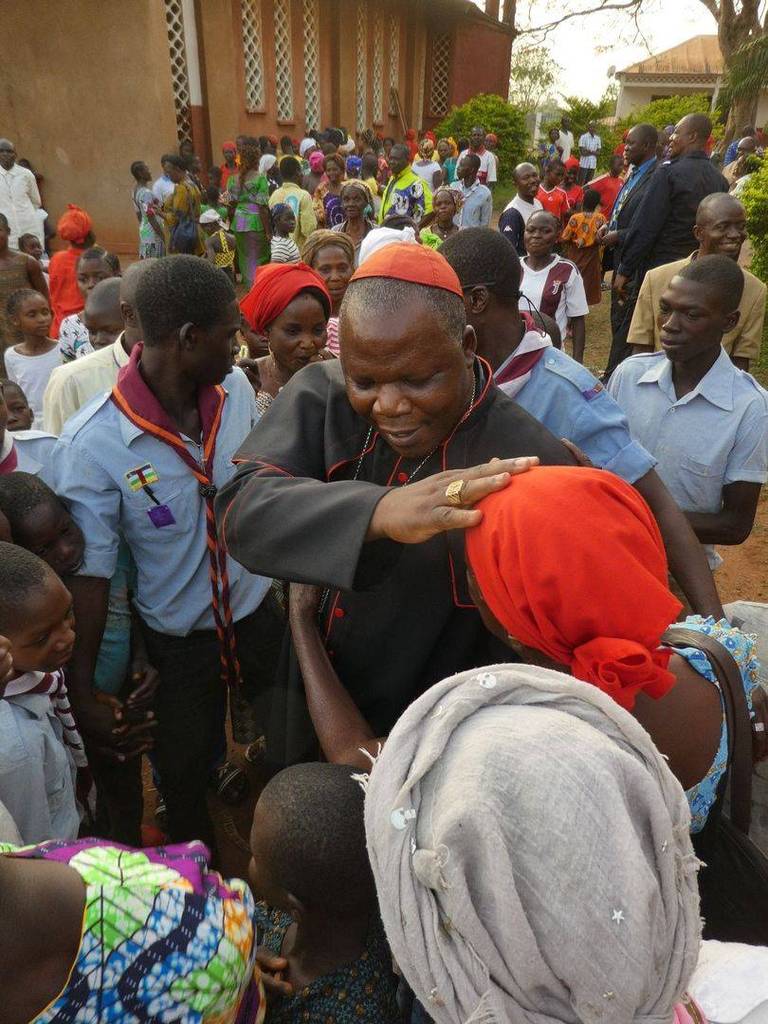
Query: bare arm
[[734, 522], [36, 277], [687, 561], [340, 727], [579, 335]]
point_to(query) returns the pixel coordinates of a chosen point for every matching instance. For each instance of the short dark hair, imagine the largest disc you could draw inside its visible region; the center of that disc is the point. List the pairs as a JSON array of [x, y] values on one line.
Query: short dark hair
[[721, 274], [317, 837], [648, 134], [4, 222], [177, 290], [136, 167], [176, 161], [372, 297], [483, 256], [290, 167], [21, 575], [23, 239], [20, 494], [286, 140], [95, 252], [701, 125], [591, 200], [473, 159], [546, 213], [15, 299], [555, 163]]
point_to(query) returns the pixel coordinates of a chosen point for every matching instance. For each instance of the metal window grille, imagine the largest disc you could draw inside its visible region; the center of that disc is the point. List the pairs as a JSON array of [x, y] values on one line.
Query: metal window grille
[[394, 59], [311, 62], [174, 19], [283, 61], [377, 97], [441, 69], [361, 76], [253, 56]]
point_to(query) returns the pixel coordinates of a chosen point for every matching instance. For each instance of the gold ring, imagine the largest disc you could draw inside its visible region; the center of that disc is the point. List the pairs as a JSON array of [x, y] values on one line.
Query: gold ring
[[454, 491]]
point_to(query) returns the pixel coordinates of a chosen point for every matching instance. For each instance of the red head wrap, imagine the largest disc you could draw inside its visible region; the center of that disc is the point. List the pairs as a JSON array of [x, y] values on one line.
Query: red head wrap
[[571, 562], [492, 138], [571, 162], [228, 145], [275, 287], [404, 261], [75, 225]]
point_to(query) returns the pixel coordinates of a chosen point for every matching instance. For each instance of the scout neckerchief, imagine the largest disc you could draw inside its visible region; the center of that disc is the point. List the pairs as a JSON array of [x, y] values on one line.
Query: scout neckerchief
[[9, 459], [52, 684], [135, 400]]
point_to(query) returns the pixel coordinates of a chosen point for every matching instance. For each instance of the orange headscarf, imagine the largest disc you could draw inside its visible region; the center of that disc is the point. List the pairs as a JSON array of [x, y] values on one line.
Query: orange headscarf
[[411, 143], [571, 562], [75, 225], [275, 288]]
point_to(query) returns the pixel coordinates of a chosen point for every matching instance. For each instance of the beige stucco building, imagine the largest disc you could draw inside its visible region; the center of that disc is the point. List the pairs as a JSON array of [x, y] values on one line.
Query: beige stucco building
[[695, 66]]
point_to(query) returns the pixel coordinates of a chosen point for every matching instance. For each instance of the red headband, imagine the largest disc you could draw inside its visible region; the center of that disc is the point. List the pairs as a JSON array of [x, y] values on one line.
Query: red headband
[[275, 287]]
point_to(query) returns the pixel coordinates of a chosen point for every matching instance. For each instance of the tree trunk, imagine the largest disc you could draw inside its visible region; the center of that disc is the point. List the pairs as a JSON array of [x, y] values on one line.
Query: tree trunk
[[734, 31], [742, 111]]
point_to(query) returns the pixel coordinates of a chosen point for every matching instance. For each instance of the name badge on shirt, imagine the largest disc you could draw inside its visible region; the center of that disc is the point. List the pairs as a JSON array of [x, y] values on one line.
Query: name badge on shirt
[[160, 515]]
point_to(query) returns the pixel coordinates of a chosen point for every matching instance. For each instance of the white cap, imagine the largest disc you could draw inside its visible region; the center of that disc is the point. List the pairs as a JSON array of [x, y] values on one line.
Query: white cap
[[210, 217], [380, 237]]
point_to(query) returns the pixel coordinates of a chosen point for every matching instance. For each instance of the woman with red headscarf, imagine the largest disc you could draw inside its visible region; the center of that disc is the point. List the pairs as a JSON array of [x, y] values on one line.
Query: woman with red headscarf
[[76, 227], [568, 567], [289, 305]]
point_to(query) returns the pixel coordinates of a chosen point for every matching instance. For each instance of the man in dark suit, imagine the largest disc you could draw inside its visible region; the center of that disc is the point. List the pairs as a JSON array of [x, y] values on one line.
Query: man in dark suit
[[640, 156]]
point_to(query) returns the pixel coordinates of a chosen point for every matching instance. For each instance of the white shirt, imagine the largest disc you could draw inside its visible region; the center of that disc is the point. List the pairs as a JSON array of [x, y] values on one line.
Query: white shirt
[[594, 145], [487, 173], [427, 171], [565, 140], [524, 208], [557, 290], [730, 983], [713, 436], [20, 202], [31, 373], [162, 188], [72, 385]]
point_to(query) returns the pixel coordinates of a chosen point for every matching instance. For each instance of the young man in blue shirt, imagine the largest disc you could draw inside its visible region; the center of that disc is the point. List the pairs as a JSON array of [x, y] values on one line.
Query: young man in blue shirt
[[144, 463], [564, 396]]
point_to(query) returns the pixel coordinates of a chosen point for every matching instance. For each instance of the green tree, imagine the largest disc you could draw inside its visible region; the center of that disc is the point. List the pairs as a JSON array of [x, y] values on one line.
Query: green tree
[[755, 199], [506, 121], [669, 110], [532, 75]]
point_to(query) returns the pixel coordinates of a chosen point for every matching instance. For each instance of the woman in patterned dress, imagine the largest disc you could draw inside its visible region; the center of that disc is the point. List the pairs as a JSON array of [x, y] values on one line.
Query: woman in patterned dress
[[96, 933], [248, 197]]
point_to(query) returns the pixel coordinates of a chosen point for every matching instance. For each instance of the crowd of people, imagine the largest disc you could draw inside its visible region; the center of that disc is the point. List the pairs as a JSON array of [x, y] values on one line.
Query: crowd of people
[[315, 482]]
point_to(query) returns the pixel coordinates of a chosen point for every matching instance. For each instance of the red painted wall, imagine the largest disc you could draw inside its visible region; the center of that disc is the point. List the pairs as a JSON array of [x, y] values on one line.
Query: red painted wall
[[481, 57]]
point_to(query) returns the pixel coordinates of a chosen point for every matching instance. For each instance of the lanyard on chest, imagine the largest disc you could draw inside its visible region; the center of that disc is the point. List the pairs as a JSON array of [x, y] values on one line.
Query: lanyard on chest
[[203, 473]]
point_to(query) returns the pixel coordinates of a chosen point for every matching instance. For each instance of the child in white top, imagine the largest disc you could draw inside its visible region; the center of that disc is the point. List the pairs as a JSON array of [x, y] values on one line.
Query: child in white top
[[31, 363], [40, 747]]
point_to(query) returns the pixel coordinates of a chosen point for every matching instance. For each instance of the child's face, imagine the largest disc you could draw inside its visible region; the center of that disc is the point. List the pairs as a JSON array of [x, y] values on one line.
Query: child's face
[[691, 320], [286, 224], [43, 639], [32, 247], [34, 316], [541, 234], [104, 326], [50, 532], [89, 273], [19, 414]]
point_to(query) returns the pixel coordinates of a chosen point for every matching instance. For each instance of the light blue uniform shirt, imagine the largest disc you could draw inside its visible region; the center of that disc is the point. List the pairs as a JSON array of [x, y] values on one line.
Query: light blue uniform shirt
[[571, 403], [98, 447], [33, 450], [713, 436], [478, 205]]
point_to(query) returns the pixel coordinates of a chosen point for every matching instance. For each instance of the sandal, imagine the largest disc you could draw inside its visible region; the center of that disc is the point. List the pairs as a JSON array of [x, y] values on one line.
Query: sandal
[[231, 783]]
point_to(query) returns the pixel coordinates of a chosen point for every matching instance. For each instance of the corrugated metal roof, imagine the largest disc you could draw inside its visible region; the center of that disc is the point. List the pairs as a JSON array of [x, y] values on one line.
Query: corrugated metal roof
[[698, 56]]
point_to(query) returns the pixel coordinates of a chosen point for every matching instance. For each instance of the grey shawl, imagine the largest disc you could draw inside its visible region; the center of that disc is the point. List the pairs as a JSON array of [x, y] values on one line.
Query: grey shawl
[[531, 854]]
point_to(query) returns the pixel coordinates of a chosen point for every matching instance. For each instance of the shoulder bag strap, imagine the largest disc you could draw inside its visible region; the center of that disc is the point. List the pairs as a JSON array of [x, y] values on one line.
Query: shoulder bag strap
[[736, 715]]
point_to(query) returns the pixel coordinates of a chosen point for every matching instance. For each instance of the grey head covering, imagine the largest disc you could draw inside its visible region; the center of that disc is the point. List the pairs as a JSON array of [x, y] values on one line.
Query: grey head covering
[[531, 854]]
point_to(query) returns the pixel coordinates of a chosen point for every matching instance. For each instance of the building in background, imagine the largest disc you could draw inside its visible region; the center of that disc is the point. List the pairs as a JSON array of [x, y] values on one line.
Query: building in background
[[96, 84], [695, 66]]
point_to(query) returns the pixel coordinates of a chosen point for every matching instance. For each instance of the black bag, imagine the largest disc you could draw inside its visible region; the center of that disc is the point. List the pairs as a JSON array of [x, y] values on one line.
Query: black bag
[[733, 880], [184, 237]]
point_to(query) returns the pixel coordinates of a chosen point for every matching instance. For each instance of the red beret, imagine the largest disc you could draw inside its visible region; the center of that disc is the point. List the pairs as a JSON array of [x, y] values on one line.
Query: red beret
[[418, 264]]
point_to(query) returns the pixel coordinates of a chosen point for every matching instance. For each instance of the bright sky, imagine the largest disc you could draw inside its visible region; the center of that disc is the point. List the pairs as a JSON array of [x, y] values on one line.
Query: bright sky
[[585, 48]]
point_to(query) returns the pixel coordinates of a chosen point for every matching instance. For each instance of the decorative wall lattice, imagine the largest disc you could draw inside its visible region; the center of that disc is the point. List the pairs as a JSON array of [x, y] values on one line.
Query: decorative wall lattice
[[283, 60], [174, 19], [394, 58], [441, 70], [361, 64], [253, 56], [311, 62], [421, 66], [377, 90]]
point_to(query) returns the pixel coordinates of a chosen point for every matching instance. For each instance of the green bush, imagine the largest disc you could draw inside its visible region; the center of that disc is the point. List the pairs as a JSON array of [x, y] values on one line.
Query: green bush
[[495, 115], [755, 200], [669, 110]]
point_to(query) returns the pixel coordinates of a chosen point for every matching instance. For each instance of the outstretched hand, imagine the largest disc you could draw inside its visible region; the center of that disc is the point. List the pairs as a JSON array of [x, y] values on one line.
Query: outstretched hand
[[413, 514]]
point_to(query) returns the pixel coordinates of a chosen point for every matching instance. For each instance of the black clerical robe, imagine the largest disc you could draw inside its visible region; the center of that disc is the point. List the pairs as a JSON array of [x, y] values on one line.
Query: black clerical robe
[[398, 617]]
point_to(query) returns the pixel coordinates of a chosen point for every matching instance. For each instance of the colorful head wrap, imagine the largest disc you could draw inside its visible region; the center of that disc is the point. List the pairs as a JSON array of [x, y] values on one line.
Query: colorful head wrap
[[446, 190], [317, 162], [450, 141], [354, 164], [75, 225], [305, 145], [415, 263], [322, 237], [228, 145], [426, 148], [410, 142], [354, 184], [492, 138], [571, 562], [572, 163], [275, 287]]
